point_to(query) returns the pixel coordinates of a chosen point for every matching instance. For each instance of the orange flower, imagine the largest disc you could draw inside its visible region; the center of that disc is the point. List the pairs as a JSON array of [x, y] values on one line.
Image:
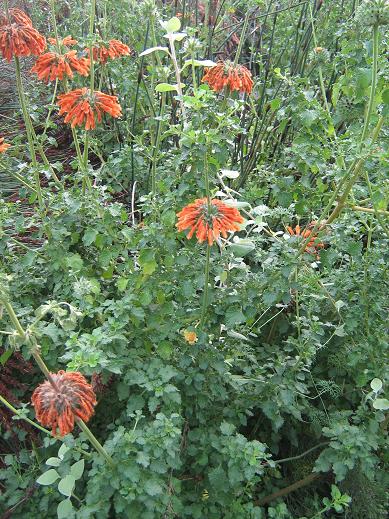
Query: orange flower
[[114, 49], [3, 145], [15, 16], [51, 66], [190, 337], [83, 106], [58, 407], [18, 37], [230, 76], [208, 223], [311, 247], [68, 41]]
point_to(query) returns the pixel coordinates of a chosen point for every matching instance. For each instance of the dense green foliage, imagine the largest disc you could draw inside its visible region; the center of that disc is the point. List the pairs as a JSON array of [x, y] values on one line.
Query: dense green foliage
[[290, 360]]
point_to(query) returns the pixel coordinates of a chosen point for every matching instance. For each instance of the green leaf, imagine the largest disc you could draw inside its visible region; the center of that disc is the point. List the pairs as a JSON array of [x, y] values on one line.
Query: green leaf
[[53, 462], [89, 236], [122, 283], [66, 485], [177, 36], [48, 477], [376, 385], [385, 96], [64, 508], [77, 469], [153, 49], [227, 428], [152, 487], [147, 261], [242, 247], [172, 25], [198, 63], [381, 404], [229, 173], [62, 451], [167, 87]]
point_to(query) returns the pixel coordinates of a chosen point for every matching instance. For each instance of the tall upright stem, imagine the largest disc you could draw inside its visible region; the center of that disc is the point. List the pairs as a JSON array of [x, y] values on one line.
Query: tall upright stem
[[178, 76], [373, 83], [91, 88], [29, 130], [208, 253]]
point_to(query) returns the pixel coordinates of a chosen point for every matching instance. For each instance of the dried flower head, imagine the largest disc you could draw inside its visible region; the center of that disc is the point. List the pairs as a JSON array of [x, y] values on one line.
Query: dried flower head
[[229, 76], [373, 12], [3, 145], [58, 407], [83, 107], [18, 37], [190, 337], [111, 50], [312, 246], [208, 222], [51, 66]]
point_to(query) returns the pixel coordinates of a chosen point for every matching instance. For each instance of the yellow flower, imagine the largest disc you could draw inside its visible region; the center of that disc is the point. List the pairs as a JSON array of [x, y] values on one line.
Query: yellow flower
[[190, 337]]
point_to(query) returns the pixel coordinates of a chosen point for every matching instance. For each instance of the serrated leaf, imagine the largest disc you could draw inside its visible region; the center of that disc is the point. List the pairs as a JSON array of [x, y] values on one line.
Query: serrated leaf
[[66, 485], [77, 469], [48, 477], [153, 49], [64, 509], [53, 462], [376, 384], [385, 96]]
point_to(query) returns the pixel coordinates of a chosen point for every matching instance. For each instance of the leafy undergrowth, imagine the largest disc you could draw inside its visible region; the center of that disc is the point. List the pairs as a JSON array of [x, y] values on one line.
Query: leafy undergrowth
[[237, 374]]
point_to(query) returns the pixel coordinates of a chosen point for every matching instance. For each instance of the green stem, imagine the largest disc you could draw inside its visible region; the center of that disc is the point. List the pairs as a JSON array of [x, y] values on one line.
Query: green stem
[[28, 124], [19, 414], [206, 287], [156, 147], [94, 441], [85, 180], [242, 37], [373, 83]]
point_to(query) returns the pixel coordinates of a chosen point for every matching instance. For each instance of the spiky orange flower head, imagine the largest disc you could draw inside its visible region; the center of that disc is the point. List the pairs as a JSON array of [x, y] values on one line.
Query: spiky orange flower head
[[208, 222], [52, 65], [58, 407], [111, 50], [3, 145], [311, 247], [83, 107], [225, 74], [18, 37]]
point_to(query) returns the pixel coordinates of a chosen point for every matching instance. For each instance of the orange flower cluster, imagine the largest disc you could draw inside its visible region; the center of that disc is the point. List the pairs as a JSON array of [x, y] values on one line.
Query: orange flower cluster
[[115, 49], [83, 107], [208, 222], [230, 76], [18, 37], [190, 337], [51, 66], [311, 247], [3, 145], [59, 406], [68, 41]]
